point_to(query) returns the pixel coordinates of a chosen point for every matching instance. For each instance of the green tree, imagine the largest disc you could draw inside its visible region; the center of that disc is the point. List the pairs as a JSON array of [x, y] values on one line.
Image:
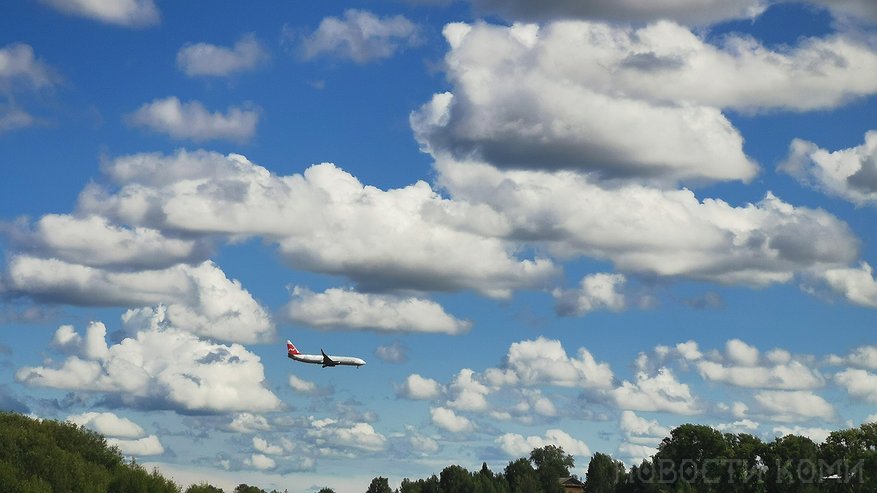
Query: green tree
[[379, 485], [521, 477], [203, 488], [694, 454], [552, 463], [456, 479], [326, 490], [604, 474], [245, 488]]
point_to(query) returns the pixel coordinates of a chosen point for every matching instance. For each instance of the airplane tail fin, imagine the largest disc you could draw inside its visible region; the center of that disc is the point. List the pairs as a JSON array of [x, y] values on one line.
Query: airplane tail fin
[[290, 347]]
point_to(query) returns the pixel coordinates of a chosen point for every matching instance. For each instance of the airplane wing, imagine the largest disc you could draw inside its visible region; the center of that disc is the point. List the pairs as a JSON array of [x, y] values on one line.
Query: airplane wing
[[327, 361]]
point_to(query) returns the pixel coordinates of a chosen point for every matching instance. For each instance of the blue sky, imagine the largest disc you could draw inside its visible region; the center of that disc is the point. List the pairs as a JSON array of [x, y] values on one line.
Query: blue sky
[[579, 223]]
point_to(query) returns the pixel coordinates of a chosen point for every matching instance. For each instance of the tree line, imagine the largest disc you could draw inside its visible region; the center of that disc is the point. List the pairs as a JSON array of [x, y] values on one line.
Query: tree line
[[45, 456]]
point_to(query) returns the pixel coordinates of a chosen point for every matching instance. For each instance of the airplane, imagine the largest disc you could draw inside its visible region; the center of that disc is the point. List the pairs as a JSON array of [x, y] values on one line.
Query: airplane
[[324, 359]]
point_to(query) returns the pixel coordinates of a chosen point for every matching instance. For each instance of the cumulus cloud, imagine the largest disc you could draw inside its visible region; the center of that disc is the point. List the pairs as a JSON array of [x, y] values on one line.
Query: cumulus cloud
[[94, 241], [686, 11], [199, 299], [150, 445], [360, 36], [861, 357], [20, 72], [743, 368], [447, 419], [658, 232], [417, 387], [302, 385], [392, 353], [323, 220], [739, 426], [127, 13], [192, 121], [858, 383], [205, 59], [108, 424], [162, 368], [855, 284], [515, 445], [658, 392], [329, 433], [624, 102], [641, 437], [261, 462], [545, 362], [262, 445], [818, 435], [850, 174], [467, 393], [597, 291], [799, 405], [346, 309], [249, 423]]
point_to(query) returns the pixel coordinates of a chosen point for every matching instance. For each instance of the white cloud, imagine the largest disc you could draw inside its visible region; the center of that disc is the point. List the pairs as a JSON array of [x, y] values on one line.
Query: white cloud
[[689, 350], [301, 385], [467, 394], [818, 435], [360, 36], [856, 284], [20, 69], [743, 367], [262, 445], [660, 392], [192, 121], [741, 353], [346, 309], [128, 13], [637, 428], [392, 353], [108, 424], [598, 291], [740, 426], [323, 220], [862, 357], [687, 11], [545, 362], [635, 453], [150, 445], [199, 299], [164, 368], [419, 388], [338, 436], [447, 419], [515, 445], [249, 423], [796, 405], [20, 72], [624, 102], [211, 60], [859, 383], [657, 232], [850, 174], [261, 462], [95, 242]]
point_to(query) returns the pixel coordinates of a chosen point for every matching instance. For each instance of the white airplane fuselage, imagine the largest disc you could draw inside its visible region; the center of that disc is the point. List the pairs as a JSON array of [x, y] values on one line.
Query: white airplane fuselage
[[322, 359]]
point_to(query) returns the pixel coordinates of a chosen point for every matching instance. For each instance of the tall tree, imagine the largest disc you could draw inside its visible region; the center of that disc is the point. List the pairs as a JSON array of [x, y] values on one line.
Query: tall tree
[[604, 474], [521, 477], [456, 479], [552, 463], [379, 485]]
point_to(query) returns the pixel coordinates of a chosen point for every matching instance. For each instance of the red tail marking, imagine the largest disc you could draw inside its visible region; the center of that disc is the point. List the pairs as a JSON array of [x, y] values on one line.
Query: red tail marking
[[290, 348]]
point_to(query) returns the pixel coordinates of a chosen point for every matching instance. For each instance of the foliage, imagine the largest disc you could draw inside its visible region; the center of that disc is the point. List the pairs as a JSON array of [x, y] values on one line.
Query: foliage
[[379, 485], [47, 456], [203, 488], [326, 490]]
